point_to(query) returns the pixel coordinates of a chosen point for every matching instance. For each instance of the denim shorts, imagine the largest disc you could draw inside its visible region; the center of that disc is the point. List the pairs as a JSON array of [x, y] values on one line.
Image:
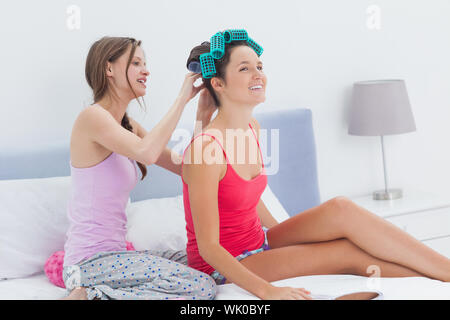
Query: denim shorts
[[220, 279]]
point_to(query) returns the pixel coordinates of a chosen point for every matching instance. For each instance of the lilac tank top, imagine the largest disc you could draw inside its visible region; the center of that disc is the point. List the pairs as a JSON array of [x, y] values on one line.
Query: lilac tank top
[[96, 207]]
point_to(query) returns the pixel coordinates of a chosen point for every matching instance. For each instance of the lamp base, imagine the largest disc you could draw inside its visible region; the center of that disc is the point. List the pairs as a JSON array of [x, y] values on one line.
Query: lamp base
[[391, 194]]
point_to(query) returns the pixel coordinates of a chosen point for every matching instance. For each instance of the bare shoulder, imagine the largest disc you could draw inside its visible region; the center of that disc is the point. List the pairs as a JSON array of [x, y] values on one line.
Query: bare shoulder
[[93, 116], [204, 158], [93, 119], [86, 119], [97, 118], [94, 111], [195, 153], [84, 152]]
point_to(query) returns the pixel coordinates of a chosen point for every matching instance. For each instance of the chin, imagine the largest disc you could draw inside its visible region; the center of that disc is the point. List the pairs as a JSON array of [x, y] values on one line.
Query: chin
[[257, 98], [139, 92], [260, 100]]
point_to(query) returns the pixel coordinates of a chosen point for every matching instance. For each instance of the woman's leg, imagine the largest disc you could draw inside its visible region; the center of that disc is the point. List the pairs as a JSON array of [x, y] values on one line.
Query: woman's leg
[[138, 275], [341, 218], [330, 257]]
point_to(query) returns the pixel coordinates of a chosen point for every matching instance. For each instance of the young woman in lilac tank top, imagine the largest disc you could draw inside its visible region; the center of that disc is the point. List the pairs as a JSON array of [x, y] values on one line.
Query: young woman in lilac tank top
[[336, 237], [105, 148]]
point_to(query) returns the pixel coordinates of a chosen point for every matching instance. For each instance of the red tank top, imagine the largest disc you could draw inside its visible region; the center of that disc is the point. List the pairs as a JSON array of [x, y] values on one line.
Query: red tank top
[[240, 226]]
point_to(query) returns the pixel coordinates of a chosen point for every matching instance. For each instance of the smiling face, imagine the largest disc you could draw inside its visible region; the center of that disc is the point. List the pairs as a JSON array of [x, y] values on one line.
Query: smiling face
[[245, 81], [137, 74]]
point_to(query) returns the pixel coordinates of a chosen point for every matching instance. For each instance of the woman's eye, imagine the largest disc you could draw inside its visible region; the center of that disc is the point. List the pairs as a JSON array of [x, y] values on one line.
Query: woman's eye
[[245, 68], [136, 63]]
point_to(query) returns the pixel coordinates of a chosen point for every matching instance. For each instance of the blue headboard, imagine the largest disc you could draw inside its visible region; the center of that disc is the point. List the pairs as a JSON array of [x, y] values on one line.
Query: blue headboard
[[295, 183]]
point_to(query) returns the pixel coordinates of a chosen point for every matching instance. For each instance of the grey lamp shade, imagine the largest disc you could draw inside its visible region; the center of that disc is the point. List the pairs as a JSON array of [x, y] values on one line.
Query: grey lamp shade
[[380, 107]]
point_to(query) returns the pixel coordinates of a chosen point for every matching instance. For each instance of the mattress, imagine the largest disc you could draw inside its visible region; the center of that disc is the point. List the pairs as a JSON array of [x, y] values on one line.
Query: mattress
[[38, 287]]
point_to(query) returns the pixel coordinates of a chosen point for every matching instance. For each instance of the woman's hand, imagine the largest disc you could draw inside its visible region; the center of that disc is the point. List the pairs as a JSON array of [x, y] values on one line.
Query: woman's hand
[[286, 293], [206, 107], [188, 90]]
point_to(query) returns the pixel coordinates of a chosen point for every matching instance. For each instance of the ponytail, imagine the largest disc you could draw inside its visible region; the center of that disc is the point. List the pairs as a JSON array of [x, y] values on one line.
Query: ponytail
[[127, 125]]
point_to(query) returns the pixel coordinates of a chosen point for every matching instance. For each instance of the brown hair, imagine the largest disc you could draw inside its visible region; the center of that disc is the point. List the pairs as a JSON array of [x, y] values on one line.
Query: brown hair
[[109, 49], [220, 64]]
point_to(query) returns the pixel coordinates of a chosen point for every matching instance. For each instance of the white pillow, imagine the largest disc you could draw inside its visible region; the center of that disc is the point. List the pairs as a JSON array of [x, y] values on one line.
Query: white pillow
[[160, 223], [157, 224], [33, 223], [273, 205]]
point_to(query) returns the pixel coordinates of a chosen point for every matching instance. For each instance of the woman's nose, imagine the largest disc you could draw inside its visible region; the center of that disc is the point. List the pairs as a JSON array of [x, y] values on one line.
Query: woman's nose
[[257, 74]]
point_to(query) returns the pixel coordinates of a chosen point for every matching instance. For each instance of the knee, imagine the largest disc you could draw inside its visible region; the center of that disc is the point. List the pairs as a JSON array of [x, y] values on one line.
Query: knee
[[205, 285], [339, 211], [209, 288], [340, 205], [340, 201]]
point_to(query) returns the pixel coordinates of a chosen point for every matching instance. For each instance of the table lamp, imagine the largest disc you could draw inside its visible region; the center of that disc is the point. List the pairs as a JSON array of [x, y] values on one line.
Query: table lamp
[[379, 108]]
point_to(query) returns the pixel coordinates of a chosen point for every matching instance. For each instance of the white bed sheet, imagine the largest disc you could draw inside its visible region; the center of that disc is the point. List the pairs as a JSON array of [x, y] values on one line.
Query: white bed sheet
[[412, 288], [39, 288]]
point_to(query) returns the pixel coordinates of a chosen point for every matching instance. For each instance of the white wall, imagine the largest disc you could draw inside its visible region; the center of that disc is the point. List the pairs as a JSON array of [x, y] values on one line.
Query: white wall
[[313, 52]]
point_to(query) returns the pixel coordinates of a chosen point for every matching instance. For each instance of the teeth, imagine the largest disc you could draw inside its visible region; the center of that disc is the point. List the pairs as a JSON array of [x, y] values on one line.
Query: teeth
[[255, 87], [141, 81]]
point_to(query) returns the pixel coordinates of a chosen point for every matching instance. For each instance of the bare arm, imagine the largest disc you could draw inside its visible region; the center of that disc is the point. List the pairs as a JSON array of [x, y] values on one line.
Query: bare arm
[[168, 159], [106, 131]]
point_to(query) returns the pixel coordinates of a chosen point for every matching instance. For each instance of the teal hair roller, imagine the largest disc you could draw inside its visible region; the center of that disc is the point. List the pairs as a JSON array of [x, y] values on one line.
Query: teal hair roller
[[235, 35], [207, 65], [258, 49], [217, 46], [217, 49]]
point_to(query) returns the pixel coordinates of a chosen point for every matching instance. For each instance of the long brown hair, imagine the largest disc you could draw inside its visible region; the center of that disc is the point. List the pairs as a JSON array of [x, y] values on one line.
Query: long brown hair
[[109, 49]]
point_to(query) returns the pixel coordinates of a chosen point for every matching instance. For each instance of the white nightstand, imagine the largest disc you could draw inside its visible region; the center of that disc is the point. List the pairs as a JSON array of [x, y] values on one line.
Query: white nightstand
[[424, 215]]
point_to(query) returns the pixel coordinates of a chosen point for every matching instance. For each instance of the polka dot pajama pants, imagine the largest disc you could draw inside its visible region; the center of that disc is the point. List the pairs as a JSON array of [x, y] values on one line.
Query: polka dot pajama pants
[[149, 274]]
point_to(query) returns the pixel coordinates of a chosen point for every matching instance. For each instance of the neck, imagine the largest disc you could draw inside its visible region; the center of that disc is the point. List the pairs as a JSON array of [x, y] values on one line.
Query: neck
[[116, 106], [234, 116]]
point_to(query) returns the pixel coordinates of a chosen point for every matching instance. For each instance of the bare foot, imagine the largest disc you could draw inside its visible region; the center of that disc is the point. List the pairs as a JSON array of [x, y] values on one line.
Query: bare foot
[[77, 294]]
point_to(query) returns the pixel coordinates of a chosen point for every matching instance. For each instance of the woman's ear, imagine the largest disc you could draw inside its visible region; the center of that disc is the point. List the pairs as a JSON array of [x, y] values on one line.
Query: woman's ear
[[217, 84], [109, 72]]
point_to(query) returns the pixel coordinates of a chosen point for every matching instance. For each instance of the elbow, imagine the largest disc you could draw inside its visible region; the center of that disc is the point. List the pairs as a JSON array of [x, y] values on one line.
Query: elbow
[[206, 248], [150, 161], [147, 157]]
